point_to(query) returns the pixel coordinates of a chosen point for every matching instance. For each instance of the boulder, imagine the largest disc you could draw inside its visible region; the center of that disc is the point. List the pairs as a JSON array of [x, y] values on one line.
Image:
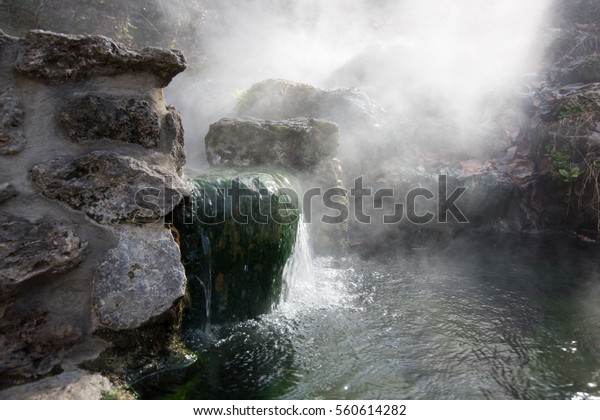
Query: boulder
[[297, 144], [32, 344], [140, 280], [96, 118], [30, 249], [110, 187], [58, 58]]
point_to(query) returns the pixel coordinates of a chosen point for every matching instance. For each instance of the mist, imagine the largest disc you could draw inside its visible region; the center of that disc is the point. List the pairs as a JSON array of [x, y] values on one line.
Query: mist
[[453, 61]]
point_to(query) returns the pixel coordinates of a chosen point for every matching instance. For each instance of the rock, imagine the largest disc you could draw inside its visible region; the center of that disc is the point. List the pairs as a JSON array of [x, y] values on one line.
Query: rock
[[7, 191], [234, 255], [277, 99], [58, 58], [173, 129], [140, 280], [12, 139], [299, 143], [95, 118], [110, 187], [32, 344], [358, 117], [76, 385], [31, 249]]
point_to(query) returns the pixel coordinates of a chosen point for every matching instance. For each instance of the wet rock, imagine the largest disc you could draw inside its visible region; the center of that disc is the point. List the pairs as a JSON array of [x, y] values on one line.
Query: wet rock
[[7, 191], [12, 139], [299, 143], [30, 249], [58, 58], [140, 280], [109, 187], [235, 250], [96, 118]]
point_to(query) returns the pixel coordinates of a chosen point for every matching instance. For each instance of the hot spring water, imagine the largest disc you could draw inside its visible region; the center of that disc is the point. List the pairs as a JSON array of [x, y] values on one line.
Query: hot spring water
[[488, 317]]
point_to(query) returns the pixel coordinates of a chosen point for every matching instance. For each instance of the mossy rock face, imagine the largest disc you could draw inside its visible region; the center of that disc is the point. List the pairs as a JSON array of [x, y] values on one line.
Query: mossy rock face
[[235, 249]]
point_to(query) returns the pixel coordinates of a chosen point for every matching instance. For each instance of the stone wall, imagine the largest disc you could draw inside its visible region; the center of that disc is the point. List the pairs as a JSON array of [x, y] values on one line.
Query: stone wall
[[90, 163]]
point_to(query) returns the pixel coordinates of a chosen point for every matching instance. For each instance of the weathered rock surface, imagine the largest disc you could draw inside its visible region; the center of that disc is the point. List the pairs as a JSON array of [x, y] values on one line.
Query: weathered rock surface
[[173, 134], [83, 122], [140, 280], [32, 344], [7, 191], [57, 58], [278, 99], [30, 249], [359, 118], [96, 118], [110, 187], [12, 139], [298, 144], [77, 385]]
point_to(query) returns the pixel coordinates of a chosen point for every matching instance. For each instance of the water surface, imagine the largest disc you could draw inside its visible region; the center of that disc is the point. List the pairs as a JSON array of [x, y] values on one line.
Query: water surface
[[491, 317]]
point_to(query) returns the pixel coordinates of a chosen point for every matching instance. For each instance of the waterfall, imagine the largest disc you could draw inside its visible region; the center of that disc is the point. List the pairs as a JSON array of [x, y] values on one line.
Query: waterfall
[[298, 275]]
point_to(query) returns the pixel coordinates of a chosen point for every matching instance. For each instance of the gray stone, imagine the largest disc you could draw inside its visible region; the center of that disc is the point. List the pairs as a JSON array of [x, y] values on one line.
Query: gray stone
[[75, 385], [298, 144], [110, 188], [12, 140], [30, 249], [278, 99], [96, 118], [32, 344], [7, 191], [58, 58], [173, 134], [140, 280]]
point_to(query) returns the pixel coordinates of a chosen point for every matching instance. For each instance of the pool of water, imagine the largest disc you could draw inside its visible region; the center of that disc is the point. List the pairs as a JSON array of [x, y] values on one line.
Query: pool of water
[[490, 317]]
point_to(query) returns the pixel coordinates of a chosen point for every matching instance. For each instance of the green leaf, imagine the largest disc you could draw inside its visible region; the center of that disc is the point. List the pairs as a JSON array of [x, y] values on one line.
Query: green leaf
[[597, 163], [563, 172]]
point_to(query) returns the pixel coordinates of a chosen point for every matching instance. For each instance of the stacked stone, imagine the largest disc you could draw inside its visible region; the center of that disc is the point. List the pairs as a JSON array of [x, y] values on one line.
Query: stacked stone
[[90, 163]]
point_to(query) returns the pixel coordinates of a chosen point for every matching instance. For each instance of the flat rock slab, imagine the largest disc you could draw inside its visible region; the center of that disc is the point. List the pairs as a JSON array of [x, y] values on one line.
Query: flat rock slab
[[298, 143], [110, 187], [140, 280], [58, 58], [30, 249], [96, 118], [77, 385]]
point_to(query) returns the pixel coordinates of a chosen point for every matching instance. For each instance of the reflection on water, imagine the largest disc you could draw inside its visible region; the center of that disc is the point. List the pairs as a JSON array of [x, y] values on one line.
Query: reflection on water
[[485, 318]]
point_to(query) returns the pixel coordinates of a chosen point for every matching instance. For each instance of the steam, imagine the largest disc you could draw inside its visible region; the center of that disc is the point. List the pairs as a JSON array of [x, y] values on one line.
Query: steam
[[456, 59]]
